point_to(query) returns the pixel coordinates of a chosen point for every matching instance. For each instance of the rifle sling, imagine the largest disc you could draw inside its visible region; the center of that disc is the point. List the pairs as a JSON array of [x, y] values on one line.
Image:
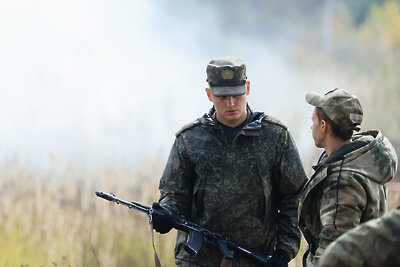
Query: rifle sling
[[156, 258]]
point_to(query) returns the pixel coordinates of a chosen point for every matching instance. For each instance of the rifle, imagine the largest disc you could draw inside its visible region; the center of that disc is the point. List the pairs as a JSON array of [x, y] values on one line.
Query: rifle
[[197, 234]]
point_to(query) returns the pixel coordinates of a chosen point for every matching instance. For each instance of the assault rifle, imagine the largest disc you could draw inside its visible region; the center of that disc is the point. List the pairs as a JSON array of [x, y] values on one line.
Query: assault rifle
[[197, 234]]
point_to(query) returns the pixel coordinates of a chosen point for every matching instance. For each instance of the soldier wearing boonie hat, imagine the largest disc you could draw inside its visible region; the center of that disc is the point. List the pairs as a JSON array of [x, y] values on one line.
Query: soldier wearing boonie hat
[[235, 171], [348, 186]]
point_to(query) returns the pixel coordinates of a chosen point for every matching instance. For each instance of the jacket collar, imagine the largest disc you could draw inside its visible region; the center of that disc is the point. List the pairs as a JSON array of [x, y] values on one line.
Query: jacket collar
[[340, 153], [254, 121]]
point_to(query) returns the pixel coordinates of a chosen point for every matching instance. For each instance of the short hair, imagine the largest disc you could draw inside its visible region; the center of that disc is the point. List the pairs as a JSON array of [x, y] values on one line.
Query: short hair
[[336, 129]]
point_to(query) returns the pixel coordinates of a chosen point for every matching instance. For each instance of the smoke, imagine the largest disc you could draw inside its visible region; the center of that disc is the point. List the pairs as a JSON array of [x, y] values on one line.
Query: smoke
[[111, 81]]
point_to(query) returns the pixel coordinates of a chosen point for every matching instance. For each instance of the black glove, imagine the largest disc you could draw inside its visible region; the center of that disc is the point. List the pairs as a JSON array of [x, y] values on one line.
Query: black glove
[[277, 260], [162, 219]]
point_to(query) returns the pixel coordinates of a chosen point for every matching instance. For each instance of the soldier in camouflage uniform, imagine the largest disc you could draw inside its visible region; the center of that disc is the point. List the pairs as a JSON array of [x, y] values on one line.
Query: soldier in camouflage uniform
[[234, 171], [374, 243], [349, 183]]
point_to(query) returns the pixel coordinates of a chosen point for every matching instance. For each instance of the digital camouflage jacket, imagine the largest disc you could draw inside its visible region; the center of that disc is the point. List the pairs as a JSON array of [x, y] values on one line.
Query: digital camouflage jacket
[[235, 188], [347, 189], [374, 243]]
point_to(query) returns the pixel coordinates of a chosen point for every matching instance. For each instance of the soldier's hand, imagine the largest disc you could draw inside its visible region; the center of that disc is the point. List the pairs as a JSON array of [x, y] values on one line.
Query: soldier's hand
[[162, 219]]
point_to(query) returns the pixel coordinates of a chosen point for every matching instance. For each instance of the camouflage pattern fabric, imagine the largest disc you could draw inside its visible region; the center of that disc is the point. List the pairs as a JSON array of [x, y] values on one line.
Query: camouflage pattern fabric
[[235, 188], [342, 107], [226, 76], [375, 243], [347, 189]]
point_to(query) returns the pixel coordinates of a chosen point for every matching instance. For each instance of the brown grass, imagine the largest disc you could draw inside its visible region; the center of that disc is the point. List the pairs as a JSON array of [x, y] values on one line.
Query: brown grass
[[53, 218]]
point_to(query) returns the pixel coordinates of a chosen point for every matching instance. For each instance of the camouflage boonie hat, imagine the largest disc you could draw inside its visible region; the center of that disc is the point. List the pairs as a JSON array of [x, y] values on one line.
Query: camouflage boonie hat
[[226, 76], [340, 106]]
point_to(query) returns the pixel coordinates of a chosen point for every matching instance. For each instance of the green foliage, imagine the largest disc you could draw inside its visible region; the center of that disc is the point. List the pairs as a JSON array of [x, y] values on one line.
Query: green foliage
[[360, 9], [386, 19]]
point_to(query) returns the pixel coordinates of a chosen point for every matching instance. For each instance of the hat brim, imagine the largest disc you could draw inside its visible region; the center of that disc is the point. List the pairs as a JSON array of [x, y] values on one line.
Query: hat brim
[[314, 99], [228, 90]]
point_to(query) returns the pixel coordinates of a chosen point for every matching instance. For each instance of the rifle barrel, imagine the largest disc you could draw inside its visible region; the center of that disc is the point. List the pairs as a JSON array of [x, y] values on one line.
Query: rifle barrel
[[132, 204]]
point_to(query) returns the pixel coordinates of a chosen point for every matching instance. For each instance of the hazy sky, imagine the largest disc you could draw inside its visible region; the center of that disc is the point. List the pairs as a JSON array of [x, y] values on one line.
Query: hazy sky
[[109, 81]]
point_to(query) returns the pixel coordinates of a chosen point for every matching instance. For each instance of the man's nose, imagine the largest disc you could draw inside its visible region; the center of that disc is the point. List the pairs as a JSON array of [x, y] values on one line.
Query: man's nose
[[231, 100]]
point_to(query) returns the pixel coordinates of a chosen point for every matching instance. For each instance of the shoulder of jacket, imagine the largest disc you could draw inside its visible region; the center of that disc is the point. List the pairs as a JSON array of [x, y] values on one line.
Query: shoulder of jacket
[[273, 120], [187, 126]]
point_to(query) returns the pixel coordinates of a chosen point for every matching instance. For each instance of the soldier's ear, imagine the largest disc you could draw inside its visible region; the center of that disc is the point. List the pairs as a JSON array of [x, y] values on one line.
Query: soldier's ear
[[209, 95], [324, 126], [248, 87]]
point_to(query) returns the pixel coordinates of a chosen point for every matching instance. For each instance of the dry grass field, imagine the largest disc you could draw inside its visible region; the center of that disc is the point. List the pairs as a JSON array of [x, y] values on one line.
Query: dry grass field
[[53, 218]]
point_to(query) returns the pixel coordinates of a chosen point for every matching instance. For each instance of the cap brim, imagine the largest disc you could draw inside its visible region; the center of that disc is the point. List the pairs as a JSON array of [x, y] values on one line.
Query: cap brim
[[314, 99], [228, 90]]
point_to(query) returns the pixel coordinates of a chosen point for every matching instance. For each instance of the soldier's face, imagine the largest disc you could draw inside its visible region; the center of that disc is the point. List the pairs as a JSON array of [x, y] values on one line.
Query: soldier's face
[[317, 129], [231, 110]]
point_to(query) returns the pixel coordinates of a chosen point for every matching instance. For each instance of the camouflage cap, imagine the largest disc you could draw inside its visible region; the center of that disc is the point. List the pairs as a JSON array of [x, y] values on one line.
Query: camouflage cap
[[340, 106], [226, 76]]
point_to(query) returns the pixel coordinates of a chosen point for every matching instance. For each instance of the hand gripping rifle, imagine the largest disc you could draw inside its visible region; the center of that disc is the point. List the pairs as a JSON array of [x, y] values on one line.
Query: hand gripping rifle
[[197, 234]]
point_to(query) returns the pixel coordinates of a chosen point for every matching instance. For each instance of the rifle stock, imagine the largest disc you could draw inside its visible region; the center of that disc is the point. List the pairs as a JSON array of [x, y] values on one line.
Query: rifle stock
[[197, 234]]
